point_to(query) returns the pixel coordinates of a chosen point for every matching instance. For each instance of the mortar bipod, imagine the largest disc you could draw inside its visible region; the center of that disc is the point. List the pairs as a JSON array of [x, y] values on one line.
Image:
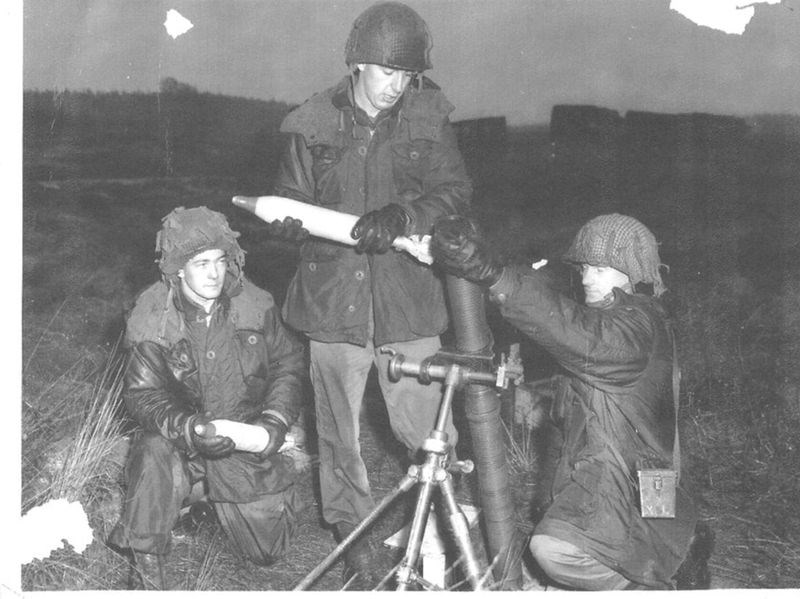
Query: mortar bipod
[[433, 472]]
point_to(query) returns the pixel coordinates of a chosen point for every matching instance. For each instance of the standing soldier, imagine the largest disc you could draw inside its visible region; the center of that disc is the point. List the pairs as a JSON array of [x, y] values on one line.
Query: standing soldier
[[206, 343], [378, 144]]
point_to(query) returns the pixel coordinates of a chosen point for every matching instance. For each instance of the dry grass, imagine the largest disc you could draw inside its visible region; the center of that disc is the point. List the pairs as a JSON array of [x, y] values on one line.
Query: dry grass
[[520, 450], [73, 450], [86, 465], [748, 499], [739, 349], [83, 460]]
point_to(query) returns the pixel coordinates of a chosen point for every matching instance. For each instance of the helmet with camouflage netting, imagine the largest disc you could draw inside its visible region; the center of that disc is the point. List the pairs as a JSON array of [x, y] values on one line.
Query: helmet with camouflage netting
[[621, 242], [186, 232]]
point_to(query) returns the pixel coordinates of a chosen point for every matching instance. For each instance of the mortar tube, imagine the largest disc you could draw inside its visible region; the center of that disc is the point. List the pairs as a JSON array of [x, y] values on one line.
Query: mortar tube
[[482, 407]]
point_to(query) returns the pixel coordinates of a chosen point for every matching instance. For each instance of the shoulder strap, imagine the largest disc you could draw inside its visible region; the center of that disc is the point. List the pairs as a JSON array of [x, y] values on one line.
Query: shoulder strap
[[676, 393]]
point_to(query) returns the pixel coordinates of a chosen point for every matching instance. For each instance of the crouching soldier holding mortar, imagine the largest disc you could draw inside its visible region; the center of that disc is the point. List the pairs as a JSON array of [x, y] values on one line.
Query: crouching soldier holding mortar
[[205, 343], [616, 408]]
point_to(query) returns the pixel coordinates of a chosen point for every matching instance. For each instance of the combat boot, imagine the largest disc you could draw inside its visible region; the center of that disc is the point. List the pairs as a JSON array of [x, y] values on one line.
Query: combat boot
[[694, 573], [148, 572], [358, 561]]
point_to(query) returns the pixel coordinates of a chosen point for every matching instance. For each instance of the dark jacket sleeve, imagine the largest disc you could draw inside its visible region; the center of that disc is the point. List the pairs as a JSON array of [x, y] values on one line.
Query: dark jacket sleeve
[[447, 187], [597, 345], [149, 398], [286, 369]]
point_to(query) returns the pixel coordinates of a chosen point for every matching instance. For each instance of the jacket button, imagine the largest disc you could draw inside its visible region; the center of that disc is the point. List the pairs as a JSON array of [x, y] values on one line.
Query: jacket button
[[210, 354], [414, 155], [351, 308], [312, 266], [362, 150], [359, 275], [252, 340]]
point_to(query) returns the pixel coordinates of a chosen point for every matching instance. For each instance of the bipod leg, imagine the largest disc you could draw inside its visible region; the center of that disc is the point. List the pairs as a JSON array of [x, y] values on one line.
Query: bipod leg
[[460, 528], [405, 484], [407, 572]]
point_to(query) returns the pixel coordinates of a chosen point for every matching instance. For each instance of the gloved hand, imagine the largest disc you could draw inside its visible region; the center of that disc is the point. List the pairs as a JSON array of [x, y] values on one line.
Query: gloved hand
[[458, 247], [377, 230], [214, 447], [277, 432], [290, 229]]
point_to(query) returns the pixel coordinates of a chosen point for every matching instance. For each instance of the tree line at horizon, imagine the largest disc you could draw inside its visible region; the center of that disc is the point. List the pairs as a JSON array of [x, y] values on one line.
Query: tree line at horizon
[[176, 131]]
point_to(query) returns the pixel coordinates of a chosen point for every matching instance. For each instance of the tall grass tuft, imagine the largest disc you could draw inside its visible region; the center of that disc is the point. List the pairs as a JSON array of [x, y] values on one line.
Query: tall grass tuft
[[74, 448], [86, 465], [201, 571], [82, 461], [520, 449]]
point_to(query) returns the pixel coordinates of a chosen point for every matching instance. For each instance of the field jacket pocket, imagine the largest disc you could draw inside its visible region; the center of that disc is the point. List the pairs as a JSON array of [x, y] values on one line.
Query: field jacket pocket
[[324, 157], [253, 360], [410, 162]]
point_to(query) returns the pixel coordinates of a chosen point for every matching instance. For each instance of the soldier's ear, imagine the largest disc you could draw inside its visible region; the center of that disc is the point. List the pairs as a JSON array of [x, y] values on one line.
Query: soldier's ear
[[181, 274]]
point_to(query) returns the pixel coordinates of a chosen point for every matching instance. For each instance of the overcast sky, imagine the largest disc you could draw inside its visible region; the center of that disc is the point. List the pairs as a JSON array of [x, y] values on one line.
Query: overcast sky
[[492, 57]]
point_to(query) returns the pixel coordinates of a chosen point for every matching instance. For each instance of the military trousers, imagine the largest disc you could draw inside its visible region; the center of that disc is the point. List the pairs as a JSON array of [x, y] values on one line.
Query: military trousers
[[572, 568], [160, 478], [339, 374]]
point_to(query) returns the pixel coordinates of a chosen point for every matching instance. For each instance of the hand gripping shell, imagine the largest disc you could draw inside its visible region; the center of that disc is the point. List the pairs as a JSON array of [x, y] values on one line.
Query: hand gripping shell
[[325, 223]]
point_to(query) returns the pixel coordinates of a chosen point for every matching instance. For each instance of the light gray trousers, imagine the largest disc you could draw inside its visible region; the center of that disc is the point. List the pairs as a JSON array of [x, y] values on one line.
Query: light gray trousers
[[339, 375], [567, 565]]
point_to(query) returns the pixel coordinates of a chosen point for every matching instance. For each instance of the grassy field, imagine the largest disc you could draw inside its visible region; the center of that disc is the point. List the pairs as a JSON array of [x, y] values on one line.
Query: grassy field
[[730, 237]]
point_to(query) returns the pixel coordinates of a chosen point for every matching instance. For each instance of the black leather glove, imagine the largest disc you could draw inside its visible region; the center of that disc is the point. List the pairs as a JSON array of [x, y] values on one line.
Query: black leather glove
[[277, 433], [377, 230], [458, 247], [213, 447], [290, 229]]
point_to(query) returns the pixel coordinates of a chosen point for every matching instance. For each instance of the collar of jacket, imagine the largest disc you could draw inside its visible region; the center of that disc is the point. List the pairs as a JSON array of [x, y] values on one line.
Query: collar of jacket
[[193, 312], [344, 101], [611, 299], [323, 120]]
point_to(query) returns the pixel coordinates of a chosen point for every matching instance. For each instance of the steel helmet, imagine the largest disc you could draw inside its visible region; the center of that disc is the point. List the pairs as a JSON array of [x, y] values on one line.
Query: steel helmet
[[390, 34], [621, 242]]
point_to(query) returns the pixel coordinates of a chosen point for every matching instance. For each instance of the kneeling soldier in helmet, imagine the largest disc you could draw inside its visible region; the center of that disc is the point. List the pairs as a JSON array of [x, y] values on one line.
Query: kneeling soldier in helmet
[[616, 407], [205, 343]]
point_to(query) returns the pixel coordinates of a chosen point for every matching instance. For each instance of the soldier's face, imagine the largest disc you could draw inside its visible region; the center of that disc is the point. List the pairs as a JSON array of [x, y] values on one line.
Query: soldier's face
[[204, 275], [598, 281], [379, 88]]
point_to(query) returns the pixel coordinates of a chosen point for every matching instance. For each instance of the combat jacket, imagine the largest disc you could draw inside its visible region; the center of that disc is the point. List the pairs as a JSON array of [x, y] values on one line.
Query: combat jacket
[[338, 159], [242, 363], [615, 404]]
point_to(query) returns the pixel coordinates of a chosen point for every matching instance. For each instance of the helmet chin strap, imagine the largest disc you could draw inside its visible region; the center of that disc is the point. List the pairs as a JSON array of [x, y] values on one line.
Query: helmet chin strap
[[354, 85]]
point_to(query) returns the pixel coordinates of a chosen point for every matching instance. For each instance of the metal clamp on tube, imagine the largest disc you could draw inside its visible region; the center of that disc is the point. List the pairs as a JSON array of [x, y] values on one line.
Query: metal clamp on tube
[[438, 366]]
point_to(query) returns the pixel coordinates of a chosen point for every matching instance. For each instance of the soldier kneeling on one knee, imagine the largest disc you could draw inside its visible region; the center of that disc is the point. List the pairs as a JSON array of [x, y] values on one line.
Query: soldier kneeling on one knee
[[207, 347]]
